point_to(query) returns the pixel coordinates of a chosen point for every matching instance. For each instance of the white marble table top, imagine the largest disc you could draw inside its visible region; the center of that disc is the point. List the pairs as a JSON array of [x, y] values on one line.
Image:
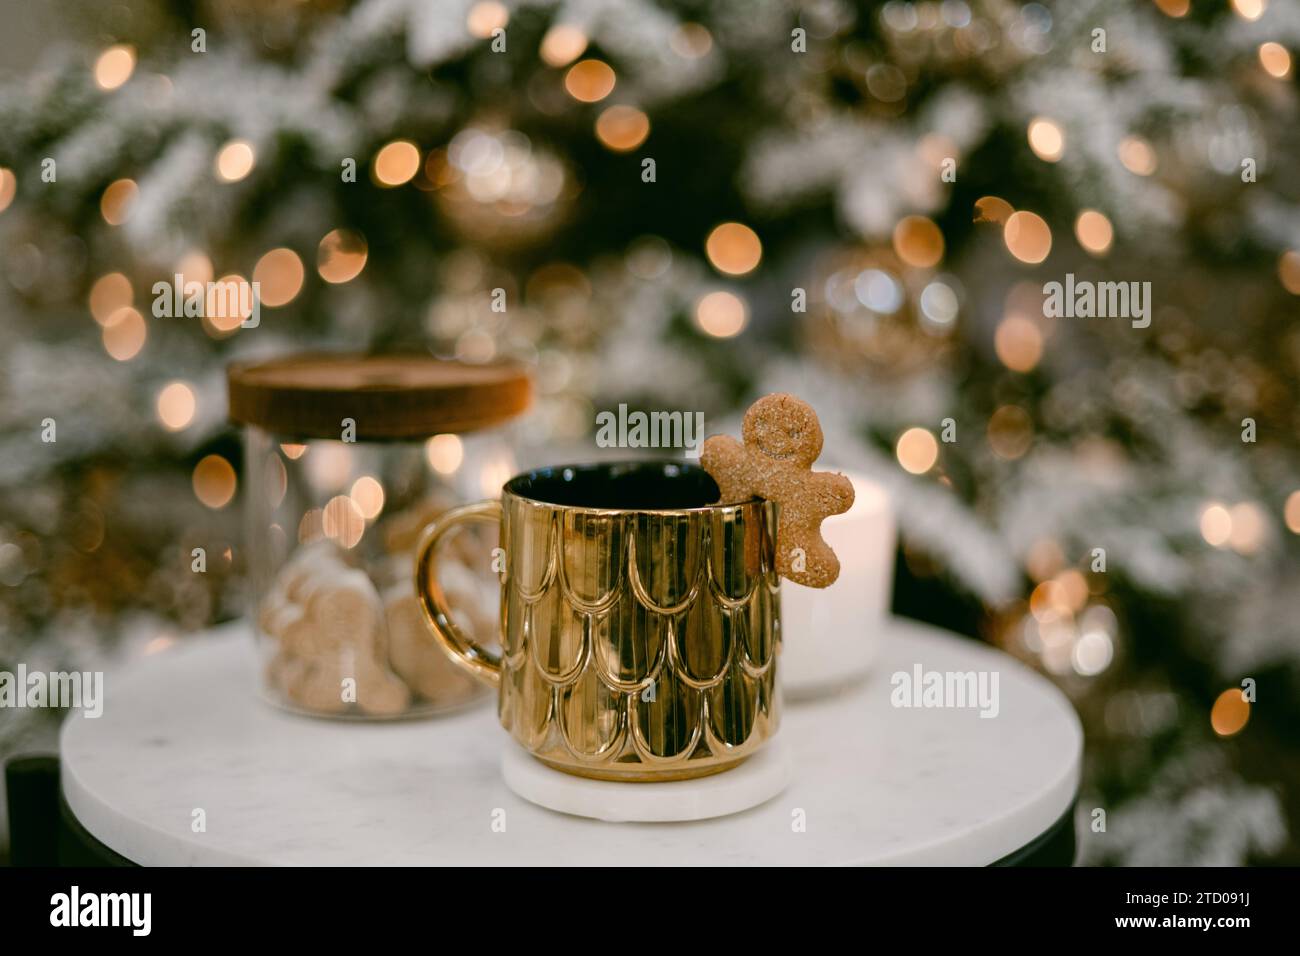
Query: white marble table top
[[873, 783]]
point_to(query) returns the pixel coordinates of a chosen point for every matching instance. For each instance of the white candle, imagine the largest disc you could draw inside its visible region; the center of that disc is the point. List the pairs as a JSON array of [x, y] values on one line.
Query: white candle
[[830, 635]]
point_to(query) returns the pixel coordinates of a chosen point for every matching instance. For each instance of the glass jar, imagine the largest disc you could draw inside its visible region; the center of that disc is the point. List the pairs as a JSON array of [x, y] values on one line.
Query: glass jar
[[347, 459]]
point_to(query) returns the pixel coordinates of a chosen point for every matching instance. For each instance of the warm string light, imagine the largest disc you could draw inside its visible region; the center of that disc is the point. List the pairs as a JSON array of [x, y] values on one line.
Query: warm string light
[[396, 163], [1249, 9], [234, 161], [114, 66], [341, 256], [917, 450], [329, 466], [1094, 232], [1027, 236], [1010, 432], [1230, 713], [279, 276], [721, 314], [1137, 156], [589, 81], [275, 481], [8, 187], [562, 44], [108, 294], [176, 406], [194, 266], [918, 242], [1046, 139], [118, 201], [485, 17], [214, 482], [1216, 524], [1291, 512], [1018, 342], [228, 303], [368, 495], [1275, 59], [444, 453], [1288, 271], [622, 128], [691, 41], [993, 209], [124, 334], [342, 521], [1243, 527], [733, 248]]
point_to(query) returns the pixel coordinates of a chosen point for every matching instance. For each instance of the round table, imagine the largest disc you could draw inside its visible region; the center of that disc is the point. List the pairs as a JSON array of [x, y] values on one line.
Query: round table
[[873, 783]]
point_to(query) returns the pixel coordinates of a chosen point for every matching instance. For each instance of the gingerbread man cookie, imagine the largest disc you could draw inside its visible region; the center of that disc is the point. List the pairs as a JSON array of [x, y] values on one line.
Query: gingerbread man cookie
[[782, 439]]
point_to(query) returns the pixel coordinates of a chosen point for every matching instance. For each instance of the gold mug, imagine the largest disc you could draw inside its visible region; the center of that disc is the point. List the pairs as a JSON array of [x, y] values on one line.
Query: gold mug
[[640, 624]]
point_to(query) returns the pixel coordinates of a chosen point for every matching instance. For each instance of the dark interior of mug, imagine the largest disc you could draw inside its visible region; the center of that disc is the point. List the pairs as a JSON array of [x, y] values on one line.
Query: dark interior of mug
[[629, 485]]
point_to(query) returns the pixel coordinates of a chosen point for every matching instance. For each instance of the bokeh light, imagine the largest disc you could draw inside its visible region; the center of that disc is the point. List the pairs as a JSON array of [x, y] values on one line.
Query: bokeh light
[[1291, 512], [1092, 653], [368, 495], [8, 187], [1010, 432], [1018, 342], [1275, 59], [341, 255], [234, 161], [279, 276], [124, 334], [444, 453], [342, 521], [1288, 271], [589, 81], [1230, 713], [228, 303], [1137, 155], [917, 450], [721, 314], [114, 66], [396, 163], [1216, 524], [486, 16], [622, 128], [1249, 527], [918, 241], [562, 44], [993, 209], [1174, 8], [1249, 9], [214, 482], [194, 266], [733, 248], [1046, 139], [1094, 232], [329, 466], [1028, 237], [176, 406], [108, 294], [118, 201], [691, 40]]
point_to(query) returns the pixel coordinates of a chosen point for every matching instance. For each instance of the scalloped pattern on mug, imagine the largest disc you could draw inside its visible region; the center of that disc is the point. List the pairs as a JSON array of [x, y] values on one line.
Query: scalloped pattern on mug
[[643, 644]]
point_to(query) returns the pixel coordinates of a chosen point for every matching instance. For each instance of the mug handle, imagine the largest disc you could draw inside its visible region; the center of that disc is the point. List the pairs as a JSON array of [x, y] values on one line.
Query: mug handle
[[480, 662]]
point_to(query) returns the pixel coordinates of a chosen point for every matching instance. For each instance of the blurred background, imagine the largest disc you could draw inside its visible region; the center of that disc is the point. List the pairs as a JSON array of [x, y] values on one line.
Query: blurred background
[[1117, 506]]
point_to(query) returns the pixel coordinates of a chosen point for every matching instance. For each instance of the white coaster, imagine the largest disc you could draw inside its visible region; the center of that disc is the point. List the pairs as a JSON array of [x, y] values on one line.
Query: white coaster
[[757, 780]]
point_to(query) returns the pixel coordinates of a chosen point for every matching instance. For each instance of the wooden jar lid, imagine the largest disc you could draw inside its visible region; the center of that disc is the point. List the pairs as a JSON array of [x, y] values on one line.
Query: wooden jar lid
[[388, 396]]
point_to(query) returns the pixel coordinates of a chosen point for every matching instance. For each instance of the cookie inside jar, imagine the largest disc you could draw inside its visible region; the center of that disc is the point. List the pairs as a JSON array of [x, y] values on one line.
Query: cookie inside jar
[[334, 514]]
